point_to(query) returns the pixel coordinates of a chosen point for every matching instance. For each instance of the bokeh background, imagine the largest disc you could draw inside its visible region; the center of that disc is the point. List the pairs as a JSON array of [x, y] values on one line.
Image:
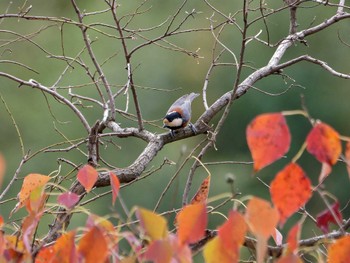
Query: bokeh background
[[162, 76]]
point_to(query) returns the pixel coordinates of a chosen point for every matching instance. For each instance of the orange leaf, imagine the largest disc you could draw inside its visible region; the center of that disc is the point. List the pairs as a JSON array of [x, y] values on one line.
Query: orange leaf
[[323, 142], [347, 157], [46, 254], [215, 252], [258, 209], [30, 183], [290, 190], [339, 252], [192, 221], [2, 169], [36, 201], [101, 222], [232, 232], [65, 251], [202, 194], [154, 226], [93, 246], [115, 184], [262, 220], [87, 176], [268, 139], [293, 238]]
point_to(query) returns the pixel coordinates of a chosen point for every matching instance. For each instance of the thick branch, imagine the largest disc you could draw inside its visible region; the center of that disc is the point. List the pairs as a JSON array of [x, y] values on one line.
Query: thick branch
[[276, 251]]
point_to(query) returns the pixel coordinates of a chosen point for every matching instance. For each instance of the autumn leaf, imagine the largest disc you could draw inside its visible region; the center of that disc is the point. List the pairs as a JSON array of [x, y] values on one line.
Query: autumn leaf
[[202, 194], [268, 139], [68, 199], [326, 217], [65, 250], [277, 237], [225, 246], [2, 169], [46, 254], [115, 184], [93, 246], [215, 252], [339, 252], [30, 183], [29, 225], [256, 210], [101, 222], [347, 157], [262, 219], [159, 251], [293, 238], [36, 201], [192, 221], [87, 176], [323, 142], [232, 232], [290, 190], [154, 225]]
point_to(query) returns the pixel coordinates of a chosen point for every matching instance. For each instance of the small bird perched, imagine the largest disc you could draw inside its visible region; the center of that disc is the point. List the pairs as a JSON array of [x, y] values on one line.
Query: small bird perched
[[179, 114]]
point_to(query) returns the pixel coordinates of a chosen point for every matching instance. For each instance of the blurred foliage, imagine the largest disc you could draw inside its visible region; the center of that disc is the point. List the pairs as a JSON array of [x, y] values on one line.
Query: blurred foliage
[[162, 76]]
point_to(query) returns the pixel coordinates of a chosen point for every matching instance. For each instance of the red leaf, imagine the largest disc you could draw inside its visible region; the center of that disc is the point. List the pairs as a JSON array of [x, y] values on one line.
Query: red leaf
[[159, 251], [68, 199], [268, 139], [202, 194], [290, 190], [93, 246], [326, 217], [87, 176], [192, 221], [339, 252], [115, 184], [323, 142]]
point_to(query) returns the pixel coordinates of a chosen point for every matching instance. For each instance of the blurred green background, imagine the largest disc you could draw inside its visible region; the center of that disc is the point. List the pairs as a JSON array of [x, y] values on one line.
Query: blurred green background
[[162, 76]]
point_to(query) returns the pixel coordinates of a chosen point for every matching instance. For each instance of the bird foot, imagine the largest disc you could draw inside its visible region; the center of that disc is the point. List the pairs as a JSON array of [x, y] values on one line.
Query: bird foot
[[193, 129]]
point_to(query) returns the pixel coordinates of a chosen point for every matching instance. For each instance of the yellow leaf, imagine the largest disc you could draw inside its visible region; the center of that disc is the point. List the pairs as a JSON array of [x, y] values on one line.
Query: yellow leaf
[[154, 226]]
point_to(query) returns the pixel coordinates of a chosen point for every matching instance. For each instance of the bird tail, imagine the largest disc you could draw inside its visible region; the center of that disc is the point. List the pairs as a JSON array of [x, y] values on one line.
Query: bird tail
[[192, 96]]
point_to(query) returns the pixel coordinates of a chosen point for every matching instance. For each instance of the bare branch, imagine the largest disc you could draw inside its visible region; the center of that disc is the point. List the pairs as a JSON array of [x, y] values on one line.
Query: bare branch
[[34, 84]]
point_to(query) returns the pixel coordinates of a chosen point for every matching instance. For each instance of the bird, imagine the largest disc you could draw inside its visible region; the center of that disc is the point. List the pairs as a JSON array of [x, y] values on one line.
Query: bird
[[179, 114]]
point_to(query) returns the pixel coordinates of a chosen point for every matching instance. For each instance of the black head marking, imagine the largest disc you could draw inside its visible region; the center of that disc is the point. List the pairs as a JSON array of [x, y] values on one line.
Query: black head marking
[[172, 116]]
